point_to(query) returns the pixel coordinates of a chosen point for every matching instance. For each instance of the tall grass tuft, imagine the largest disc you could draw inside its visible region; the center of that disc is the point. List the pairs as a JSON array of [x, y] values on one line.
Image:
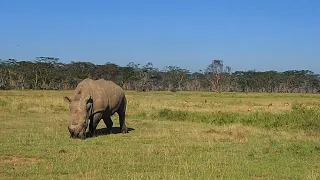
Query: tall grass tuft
[[299, 117]]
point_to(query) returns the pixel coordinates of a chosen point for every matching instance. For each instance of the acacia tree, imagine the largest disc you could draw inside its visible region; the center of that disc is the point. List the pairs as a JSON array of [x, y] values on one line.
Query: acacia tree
[[147, 71], [25, 74], [175, 76], [45, 67], [133, 77], [213, 73], [128, 75], [8, 73]]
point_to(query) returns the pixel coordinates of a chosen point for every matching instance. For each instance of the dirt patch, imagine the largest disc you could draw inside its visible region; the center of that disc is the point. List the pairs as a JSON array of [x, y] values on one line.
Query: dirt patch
[[18, 160], [256, 177]]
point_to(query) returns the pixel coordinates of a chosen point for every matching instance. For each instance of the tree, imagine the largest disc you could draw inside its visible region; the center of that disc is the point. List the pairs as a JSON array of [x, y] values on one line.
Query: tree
[[49, 73], [146, 72], [213, 73], [175, 76], [45, 67], [8, 74]]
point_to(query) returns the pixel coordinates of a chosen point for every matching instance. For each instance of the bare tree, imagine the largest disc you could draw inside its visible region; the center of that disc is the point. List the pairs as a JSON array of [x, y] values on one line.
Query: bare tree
[[213, 73]]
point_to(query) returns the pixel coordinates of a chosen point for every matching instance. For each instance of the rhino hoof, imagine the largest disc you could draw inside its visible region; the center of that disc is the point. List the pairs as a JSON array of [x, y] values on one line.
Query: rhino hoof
[[124, 131]]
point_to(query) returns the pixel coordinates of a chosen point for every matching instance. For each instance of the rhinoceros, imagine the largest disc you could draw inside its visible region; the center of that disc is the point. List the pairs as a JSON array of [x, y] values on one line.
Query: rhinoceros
[[95, 100]]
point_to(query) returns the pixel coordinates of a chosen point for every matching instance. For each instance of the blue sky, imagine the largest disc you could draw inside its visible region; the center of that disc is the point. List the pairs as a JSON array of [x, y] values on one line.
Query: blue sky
[[246, 34]]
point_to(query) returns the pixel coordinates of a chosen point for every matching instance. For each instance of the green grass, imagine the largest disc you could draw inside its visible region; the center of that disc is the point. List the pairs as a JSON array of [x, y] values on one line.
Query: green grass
[[176, 136], [299, 118]]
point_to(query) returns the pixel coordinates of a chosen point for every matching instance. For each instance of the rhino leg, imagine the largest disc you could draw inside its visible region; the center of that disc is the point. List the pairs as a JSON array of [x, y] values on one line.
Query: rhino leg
[[122, 116], [122, 122], [94, 123], [108, 121]]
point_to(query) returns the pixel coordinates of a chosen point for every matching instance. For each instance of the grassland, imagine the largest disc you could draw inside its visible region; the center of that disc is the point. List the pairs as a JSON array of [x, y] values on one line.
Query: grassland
[[182, 135]]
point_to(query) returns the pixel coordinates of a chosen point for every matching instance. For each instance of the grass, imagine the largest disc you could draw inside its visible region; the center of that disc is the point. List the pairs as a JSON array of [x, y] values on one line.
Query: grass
[[182, 135]]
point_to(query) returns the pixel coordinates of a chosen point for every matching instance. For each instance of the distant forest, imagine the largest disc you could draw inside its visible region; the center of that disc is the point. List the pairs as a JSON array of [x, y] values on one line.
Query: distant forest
[[47, 73]]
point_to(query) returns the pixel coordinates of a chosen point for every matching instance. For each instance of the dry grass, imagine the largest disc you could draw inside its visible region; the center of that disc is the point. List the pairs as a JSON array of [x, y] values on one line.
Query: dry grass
[[18, 160], [44, 101], [35, 143]]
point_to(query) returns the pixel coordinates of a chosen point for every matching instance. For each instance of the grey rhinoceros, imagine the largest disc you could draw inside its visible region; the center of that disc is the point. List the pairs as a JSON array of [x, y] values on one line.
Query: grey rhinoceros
[[95, 100]]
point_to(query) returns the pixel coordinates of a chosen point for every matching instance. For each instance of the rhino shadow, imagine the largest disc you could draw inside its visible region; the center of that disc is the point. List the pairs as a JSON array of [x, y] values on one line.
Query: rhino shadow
[[104, 131]]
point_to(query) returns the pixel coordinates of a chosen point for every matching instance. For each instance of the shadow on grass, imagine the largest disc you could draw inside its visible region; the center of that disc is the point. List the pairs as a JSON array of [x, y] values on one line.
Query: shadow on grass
[[104, 131]]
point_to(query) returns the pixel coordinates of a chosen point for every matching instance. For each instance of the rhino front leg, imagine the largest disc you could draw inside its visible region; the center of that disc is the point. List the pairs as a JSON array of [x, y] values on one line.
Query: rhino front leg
[[108, 121], [94, 121]]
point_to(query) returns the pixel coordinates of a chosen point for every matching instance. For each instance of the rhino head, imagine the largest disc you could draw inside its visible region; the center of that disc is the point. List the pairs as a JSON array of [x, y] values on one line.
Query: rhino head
[[80, 110]]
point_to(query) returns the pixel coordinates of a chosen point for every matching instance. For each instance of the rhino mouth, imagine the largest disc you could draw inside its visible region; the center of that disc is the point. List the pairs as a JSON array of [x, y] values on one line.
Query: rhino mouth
[[77, 132]]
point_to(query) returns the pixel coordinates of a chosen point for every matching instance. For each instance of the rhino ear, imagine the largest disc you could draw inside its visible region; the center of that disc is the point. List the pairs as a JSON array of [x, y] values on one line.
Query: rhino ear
[[66, 99]]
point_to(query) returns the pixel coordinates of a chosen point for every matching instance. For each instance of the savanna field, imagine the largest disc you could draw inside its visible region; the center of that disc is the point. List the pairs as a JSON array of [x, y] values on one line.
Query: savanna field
[[173, 135]]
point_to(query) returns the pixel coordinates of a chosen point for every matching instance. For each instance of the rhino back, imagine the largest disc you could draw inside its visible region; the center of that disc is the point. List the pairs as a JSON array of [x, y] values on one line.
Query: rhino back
[[107, 94]]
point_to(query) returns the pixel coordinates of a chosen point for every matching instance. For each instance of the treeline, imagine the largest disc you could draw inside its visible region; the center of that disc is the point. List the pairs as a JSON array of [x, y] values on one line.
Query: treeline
[[47, 73]]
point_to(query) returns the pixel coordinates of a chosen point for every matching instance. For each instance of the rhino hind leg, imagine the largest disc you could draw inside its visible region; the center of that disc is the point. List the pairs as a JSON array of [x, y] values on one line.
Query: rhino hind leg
[[122, 122], [122, 116]]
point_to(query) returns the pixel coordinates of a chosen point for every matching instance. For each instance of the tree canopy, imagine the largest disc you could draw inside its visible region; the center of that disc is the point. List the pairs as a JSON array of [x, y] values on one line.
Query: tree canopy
[[48, 73]]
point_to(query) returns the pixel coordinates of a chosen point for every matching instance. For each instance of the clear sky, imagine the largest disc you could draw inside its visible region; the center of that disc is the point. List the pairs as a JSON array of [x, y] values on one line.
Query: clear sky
[[245, 34]]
